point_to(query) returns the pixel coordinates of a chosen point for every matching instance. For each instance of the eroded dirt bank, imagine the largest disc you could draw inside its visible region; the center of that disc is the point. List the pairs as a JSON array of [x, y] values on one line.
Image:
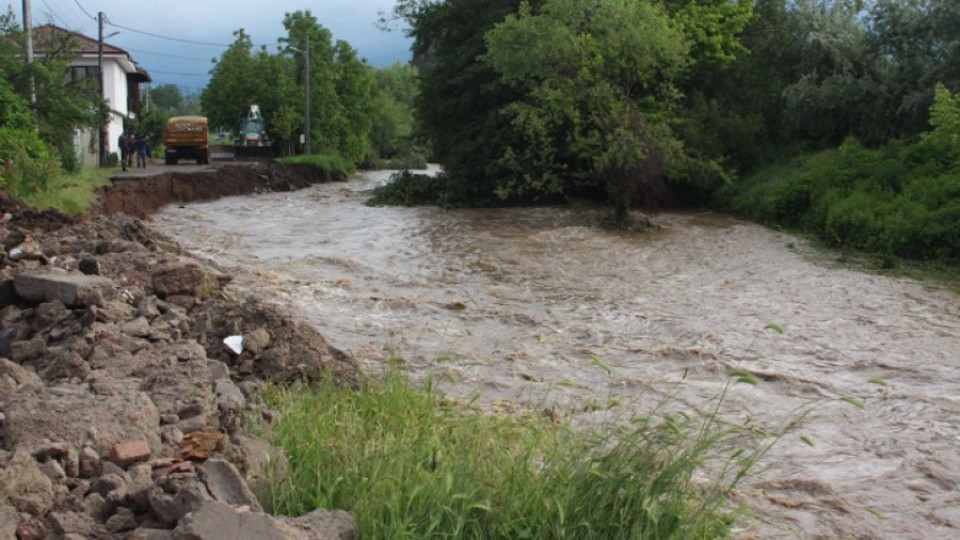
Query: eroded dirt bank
[[119, 400], [515, 304], [142, 194]]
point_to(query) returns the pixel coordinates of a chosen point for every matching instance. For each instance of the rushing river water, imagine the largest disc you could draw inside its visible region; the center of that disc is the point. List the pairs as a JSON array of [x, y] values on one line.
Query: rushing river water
[[515, 306]]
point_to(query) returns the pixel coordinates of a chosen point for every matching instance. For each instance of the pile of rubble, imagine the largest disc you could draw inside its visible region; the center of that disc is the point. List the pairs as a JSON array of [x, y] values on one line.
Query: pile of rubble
[[121, 407]]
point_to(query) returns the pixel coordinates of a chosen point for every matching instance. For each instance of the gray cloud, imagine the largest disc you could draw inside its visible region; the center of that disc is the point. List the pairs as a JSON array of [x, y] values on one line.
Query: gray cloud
[[214, 21]]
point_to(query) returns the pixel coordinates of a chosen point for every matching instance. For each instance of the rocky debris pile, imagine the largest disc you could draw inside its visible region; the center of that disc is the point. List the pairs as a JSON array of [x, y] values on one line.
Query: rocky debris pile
[[120, 404]]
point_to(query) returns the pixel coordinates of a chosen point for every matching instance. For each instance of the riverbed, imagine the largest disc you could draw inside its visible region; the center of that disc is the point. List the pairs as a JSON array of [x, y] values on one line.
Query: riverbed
[[543, 309]]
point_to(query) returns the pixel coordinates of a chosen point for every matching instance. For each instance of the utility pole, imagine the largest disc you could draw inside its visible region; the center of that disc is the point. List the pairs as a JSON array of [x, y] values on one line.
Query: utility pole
[[28, 29], [306, 94], [103, 120]]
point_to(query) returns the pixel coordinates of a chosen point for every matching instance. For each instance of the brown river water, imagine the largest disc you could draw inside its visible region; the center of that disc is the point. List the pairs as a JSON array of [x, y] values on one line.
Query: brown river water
[[514, 305]]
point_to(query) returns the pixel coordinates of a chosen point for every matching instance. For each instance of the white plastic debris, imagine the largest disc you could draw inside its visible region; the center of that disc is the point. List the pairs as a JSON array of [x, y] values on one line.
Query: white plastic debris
[[16, 251], [234, 343]]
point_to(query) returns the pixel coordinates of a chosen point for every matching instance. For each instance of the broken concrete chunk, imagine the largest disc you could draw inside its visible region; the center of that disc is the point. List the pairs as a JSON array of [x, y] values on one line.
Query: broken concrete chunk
[[226, 485], [73, 290], [217, 521]]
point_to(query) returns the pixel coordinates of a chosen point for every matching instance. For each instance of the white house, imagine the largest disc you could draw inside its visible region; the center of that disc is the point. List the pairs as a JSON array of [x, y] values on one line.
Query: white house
[[121, 83]]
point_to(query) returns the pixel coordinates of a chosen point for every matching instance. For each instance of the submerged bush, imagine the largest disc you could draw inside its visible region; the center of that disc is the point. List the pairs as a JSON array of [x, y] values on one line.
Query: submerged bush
[[410, 189], [409, 464]]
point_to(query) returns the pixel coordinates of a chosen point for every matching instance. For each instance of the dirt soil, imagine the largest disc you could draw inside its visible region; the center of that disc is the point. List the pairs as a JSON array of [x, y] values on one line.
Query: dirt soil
[[120, 401], [142, 192]]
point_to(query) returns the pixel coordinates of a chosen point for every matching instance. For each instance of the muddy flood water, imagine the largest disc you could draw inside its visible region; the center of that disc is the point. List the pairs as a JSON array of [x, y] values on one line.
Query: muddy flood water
[[516, 306]]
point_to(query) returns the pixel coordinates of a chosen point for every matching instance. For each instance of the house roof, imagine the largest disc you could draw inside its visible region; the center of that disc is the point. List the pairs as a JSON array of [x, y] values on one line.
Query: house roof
[[49, 36]]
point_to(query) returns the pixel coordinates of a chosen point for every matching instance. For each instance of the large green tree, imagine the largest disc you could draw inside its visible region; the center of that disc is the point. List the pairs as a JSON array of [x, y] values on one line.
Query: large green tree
[[62, 105]]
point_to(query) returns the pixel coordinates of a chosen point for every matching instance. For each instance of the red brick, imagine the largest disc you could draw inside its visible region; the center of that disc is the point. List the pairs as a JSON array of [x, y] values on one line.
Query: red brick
[[127, 453]]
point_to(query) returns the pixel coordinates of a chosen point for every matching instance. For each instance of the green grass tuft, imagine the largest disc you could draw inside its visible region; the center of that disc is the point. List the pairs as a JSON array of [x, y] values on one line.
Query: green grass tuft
[[409, 464], [71, 193], [330, 166]]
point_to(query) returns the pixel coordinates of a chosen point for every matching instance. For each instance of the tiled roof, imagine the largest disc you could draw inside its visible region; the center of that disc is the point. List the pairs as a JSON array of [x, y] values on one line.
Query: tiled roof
[[48, 35]]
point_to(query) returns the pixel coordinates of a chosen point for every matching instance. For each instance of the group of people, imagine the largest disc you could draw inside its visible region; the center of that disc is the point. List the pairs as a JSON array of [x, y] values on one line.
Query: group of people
[[131, 145]]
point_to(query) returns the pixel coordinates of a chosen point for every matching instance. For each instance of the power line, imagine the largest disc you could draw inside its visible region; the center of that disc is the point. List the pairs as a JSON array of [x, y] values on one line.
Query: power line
[[54, 14], [151, 34], [168, 55], [180, 40], [79, 5], [183, 74]]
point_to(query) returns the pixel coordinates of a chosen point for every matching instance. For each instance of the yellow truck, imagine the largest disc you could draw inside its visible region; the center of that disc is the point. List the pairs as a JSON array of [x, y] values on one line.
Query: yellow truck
[[186, 138]]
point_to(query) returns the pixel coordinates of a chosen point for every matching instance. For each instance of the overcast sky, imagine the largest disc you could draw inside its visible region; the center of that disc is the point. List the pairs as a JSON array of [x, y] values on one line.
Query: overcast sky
[[213, 21]]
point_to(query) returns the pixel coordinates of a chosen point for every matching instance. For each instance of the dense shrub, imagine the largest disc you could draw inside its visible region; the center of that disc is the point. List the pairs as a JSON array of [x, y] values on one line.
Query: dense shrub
[[901, 199]]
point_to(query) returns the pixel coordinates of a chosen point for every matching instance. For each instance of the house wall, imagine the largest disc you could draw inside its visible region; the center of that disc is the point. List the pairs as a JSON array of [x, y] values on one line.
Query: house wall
[[115, 91]]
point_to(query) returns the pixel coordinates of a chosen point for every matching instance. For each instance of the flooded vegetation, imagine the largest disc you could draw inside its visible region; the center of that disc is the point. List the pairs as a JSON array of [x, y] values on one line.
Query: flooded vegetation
[[541, 309]]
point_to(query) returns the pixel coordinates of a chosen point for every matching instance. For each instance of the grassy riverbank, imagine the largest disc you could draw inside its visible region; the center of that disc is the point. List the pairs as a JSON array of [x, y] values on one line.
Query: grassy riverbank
[[410, 464], [71, 193], [330, 166]]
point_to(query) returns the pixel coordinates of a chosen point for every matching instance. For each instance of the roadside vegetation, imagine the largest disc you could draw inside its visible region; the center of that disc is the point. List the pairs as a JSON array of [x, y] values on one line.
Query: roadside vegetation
[[900, 199], [328, 166], [361, 113], [411, 464]]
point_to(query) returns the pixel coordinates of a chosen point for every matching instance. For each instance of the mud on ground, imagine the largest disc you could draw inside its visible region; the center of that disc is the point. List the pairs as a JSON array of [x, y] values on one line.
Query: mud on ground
[[120, 404]]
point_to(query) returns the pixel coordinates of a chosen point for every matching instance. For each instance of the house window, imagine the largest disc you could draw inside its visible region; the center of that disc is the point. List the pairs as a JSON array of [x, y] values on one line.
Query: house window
[[76, 73]]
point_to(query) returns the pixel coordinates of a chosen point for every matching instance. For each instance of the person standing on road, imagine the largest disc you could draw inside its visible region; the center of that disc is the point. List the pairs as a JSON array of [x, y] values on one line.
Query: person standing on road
[[124, 150], [131, 145], [141, 147]]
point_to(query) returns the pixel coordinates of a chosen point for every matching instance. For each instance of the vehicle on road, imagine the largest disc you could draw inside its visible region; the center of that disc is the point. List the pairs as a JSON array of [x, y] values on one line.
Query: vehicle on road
[[186, 138], [253, 141]]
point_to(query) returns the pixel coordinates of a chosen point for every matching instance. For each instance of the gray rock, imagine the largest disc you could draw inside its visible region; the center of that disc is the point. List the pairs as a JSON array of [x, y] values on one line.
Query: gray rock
[[171, 509], [22, 351], [171, 435], [9, 519], [50, 313], [25, 486], [75, 415], [259, 461], [107, 483], [145, 533], [229, 397], [22, 377], [123, 520], [73, 290], [225, 484], [218, 370], [326, 525], [217, 521], [66, 523], [71, 463], [53, 470], [89, 463], [138, 327], [67, 365], [149, 308], [256, 341], [183, 279]]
